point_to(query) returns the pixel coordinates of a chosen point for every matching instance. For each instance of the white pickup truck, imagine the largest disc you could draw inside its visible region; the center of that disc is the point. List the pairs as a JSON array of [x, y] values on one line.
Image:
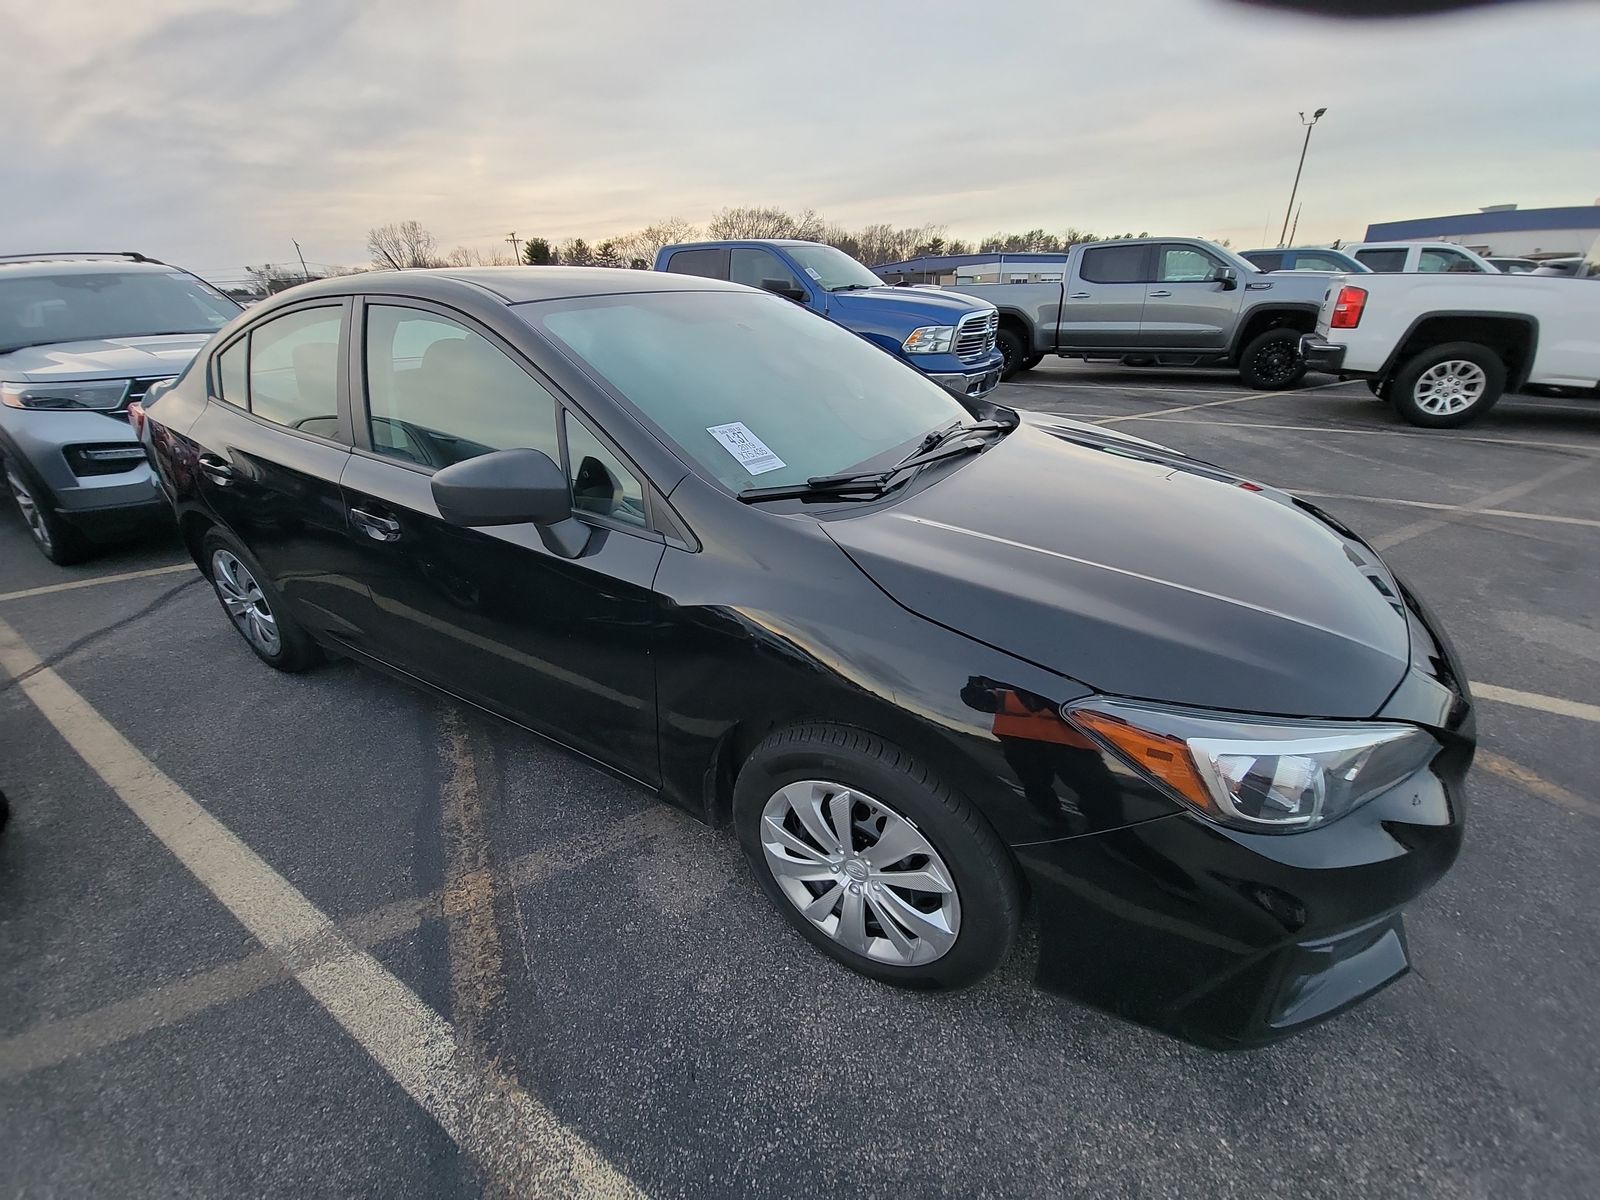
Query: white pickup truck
[[1443, 348]]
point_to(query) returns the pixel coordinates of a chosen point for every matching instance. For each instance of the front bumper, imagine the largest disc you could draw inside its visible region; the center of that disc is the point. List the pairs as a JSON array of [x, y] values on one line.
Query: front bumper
[[1321, 355], [968, 383]]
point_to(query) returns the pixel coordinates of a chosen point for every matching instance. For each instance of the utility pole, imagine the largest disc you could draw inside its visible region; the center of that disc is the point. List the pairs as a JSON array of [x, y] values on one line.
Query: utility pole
[[516, 247], [1295, 228], [305, 275], [1310, 125]]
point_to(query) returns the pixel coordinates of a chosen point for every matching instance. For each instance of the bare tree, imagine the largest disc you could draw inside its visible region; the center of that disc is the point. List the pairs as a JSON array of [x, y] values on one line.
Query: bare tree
[[639, 249], [270, 278], [767, 223], [468, 256], [400, 246]]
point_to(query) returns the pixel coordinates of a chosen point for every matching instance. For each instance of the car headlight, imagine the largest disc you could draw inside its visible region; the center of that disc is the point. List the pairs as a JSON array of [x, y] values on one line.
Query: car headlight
[[930, 339], [99, 395], [1256, 773]]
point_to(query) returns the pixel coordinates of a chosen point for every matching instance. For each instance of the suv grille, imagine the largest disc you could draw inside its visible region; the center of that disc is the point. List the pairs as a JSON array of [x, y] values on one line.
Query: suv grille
[[975, 335], [138, 387]]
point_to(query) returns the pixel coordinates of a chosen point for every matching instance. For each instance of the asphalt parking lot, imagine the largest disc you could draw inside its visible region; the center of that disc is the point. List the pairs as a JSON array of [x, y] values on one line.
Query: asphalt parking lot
[[323, 935]]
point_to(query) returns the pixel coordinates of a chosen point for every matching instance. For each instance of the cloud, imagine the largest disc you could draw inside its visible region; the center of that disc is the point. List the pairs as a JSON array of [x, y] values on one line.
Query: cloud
[[211, 133]]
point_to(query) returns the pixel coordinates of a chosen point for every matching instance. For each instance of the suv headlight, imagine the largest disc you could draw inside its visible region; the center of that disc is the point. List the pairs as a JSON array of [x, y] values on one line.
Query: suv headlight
[[99, 395], [930, 339], [1256, 773]]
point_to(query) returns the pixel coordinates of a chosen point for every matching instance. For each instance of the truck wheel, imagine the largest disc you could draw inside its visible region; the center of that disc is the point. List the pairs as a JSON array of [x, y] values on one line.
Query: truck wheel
[[1446, 386], [1272, 361], [1032, 361], [1010, 343]]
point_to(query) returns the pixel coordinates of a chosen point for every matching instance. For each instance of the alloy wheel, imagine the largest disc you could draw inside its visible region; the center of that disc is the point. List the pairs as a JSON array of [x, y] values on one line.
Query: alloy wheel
[[32, 515], [1276, 361], [1450, 387], [860, 872], [241, 595]]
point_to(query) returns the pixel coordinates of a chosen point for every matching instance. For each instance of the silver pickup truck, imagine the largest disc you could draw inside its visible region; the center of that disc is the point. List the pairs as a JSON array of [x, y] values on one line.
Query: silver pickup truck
[[1167, 301]]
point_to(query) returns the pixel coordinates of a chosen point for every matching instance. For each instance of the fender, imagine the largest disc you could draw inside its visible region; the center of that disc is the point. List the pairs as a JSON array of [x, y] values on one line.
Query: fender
[[1248, 316], [1513, 381]]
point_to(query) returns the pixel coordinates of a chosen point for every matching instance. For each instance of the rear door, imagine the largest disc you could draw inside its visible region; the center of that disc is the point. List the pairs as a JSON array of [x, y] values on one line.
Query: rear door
[[560, 645], [1186, 307], [1105, 297], [274, 439]]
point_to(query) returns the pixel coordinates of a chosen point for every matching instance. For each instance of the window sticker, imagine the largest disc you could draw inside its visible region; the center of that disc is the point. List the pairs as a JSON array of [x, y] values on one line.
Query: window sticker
[[813, 272], [753, 454]]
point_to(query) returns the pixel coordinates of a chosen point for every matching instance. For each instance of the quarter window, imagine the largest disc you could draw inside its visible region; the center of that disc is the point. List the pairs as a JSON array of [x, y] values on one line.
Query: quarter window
[[230, 377], [600, 483], [1184, 264], [438, 393], [294, 370], [1114, 264]]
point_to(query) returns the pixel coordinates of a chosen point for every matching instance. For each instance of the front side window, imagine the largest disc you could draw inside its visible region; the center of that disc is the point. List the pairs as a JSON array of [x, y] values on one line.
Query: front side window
[[79, 306], [1386, 261], [752, 388], [600, 483], [758, 268], [294, 370], [438, 393], [1185, 264], [1114, 264], [1434, 261], [231, 373]]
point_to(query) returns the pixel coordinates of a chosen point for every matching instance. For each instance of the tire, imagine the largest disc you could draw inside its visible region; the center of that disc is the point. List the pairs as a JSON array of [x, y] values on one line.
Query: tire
[[968, 927], [235, 577], [1138, 360], [1272, 361], [1012, 347], [1446, 386], [55, 538], [1032, 361]]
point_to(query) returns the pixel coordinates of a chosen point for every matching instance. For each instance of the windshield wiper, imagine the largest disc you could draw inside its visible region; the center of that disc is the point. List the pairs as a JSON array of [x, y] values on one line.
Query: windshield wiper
[[854, 287], [868, 484]]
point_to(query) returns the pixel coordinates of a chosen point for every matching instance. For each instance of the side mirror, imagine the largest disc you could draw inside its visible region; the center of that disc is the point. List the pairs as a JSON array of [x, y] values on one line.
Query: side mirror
[[782, 287], [1227, 277], [512, 487]]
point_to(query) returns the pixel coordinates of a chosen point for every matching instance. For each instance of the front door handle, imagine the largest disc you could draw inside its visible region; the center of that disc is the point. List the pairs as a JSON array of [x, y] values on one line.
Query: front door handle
[[1162, 293], [1078, 296], [379, 529], [216, 469]]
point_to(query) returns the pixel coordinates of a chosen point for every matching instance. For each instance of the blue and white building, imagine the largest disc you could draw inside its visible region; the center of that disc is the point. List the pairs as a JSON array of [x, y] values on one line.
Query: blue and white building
[[1503, 230]]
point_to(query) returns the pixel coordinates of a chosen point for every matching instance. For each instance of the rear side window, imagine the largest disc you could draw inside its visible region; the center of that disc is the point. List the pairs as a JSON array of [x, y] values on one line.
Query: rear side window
[[294, 370], [711, 264], [230, 373], [1114, 264], [1383, 260], [1266, 262]]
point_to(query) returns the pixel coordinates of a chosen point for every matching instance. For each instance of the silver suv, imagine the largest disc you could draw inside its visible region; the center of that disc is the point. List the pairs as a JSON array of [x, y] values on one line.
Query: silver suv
[[82, 335]]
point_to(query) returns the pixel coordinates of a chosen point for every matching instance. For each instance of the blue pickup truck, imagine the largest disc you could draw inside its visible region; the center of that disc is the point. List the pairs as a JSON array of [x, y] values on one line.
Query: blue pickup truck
[[948, 337]]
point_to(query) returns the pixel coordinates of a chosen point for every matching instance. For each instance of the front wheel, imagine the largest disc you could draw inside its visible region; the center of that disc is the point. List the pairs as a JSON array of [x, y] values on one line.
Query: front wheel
[[874, 860], [1272, 361], [1010, 344], [56, 540], [1447, 386]]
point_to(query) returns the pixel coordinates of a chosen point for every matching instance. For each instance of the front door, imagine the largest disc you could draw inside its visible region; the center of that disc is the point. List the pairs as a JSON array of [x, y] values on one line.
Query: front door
[[273, 443], [1186, 306], [1105, 298], [560, 645]]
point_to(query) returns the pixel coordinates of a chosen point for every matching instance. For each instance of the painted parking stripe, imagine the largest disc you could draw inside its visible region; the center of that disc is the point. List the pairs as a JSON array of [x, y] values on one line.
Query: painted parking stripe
[[1533, 783], [1393, 538], [517, 1141], [1459, 508], [96, 581], [1549, 704]]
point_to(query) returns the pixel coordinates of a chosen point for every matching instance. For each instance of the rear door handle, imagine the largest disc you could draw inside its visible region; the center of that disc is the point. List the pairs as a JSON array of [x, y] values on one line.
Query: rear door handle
[[1078, 296], [379, 529], [217, 470], [1162, 293]]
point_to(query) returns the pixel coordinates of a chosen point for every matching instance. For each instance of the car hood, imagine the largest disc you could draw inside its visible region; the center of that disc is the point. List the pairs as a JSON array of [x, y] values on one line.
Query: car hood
[[104, 358], [917, 306], [1141, 573]]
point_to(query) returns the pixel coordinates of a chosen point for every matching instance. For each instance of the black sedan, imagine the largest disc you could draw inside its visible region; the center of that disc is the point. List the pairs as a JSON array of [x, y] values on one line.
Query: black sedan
[[933, 658]]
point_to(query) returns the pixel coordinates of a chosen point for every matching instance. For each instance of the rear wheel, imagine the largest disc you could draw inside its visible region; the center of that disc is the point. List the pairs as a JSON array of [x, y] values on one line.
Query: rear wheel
[[875, 860], [1012, 347], [1272, 360], [1032, 361], [1447, 386], [254, 606], [57, 540]]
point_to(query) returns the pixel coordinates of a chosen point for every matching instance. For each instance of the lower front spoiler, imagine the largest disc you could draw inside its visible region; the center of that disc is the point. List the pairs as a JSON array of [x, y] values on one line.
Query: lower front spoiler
[[977, 385], [1180, 927]]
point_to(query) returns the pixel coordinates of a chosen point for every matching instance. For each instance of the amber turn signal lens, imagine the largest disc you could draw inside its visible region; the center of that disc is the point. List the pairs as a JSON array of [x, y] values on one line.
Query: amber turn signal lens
[[1166, 758]]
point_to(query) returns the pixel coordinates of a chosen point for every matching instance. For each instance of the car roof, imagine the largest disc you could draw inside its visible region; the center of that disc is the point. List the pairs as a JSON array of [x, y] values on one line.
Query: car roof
[[82, 266], [713, 243], [511, 285]]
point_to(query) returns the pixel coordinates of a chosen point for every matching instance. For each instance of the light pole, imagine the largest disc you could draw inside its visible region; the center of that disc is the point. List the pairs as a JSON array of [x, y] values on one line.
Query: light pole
[[1310, 125]]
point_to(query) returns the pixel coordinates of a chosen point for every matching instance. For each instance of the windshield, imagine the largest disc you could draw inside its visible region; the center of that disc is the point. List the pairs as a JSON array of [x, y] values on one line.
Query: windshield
[[77, 306], [832, 269], [754, 389]]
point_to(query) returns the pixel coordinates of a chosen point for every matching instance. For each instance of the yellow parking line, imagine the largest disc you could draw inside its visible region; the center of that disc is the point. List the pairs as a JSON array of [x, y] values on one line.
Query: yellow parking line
[[520, 1144], [96, 581], [1549, 704]]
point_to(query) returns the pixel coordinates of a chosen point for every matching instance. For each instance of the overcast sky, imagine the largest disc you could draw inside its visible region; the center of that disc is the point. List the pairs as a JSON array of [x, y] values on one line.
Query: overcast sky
[[211, 133]]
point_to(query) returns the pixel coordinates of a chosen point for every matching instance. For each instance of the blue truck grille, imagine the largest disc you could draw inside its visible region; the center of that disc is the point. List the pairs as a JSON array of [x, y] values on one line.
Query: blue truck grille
[[975, 335]]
